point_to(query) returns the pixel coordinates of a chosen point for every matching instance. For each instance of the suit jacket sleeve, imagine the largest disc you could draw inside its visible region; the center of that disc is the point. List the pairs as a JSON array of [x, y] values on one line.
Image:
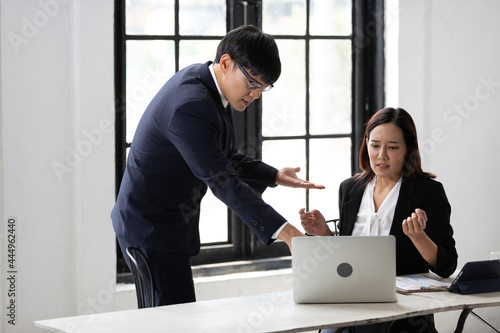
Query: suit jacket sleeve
[[428, 195], [194, 130], [257, 174], [440, 231]]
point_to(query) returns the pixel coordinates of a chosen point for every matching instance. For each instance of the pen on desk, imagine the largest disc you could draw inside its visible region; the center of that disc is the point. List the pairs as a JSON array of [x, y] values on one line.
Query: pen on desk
[[434, 288]]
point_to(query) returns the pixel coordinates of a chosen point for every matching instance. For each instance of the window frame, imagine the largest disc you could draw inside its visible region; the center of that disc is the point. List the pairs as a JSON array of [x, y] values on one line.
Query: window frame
[[367, 98]]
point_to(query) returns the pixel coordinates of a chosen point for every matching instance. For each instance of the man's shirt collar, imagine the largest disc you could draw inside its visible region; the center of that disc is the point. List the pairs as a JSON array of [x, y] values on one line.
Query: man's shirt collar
[[225, 102]]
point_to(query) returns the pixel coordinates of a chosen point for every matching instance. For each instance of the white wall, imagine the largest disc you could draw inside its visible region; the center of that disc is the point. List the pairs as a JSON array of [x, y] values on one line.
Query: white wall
[[56, 91], [57, 165], [448, 77], [57, 157]]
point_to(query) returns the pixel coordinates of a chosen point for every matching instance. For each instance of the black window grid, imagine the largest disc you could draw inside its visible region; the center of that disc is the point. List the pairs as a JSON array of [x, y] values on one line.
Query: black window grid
[[367, 97]]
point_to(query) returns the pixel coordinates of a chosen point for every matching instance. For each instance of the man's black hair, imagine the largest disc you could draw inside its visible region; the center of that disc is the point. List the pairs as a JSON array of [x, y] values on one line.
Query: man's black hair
[[254, 50]]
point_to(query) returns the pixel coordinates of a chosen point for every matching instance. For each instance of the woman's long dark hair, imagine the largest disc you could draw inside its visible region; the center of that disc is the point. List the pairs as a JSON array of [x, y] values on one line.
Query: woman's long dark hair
[[412, 167]]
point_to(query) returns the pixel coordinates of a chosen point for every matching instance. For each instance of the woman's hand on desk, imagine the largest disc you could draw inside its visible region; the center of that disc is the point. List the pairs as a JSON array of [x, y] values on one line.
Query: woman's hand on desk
[[314, 222]]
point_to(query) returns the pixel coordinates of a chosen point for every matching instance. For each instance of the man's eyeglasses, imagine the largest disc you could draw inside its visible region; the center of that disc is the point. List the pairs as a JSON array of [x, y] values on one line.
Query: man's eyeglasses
[[252, 84]]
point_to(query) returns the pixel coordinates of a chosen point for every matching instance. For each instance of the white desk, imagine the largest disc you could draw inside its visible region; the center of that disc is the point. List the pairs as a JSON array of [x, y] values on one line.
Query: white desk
[[468, 302], [275, 312]]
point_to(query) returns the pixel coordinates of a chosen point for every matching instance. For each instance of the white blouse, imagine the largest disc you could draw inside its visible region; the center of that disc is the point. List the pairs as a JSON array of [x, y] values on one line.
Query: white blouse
[[371, 223]]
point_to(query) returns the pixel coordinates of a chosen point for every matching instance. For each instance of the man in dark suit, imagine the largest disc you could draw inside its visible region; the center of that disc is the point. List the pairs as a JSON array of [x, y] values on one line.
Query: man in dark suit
[[184, 143]]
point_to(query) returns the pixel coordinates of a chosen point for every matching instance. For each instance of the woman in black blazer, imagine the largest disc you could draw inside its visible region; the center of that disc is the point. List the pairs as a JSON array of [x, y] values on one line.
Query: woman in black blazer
[[416, 209]]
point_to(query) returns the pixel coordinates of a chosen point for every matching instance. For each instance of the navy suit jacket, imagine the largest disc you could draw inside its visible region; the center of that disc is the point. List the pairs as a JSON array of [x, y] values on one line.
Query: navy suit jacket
[[185, 142], [426, 194]]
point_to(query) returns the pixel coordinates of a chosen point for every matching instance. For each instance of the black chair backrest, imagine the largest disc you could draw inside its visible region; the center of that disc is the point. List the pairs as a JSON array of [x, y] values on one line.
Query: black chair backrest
[[144, 285], [335, 224]]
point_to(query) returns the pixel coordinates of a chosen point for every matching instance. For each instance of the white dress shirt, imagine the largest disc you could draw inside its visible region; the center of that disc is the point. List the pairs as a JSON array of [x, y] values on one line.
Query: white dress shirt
[[223, 99], [371, 223]]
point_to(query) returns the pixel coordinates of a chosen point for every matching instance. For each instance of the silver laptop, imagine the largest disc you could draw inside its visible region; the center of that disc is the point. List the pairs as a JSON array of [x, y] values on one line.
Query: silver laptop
[[344, 269]]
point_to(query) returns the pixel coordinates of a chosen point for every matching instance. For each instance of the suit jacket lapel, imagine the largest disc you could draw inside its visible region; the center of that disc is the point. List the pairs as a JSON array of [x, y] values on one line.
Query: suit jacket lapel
[[229, 135], [351, 208], [226, 140], [208, 81]]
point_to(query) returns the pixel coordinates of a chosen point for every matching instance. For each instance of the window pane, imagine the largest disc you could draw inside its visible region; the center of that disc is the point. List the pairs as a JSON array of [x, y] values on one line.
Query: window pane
[[284, 107], [285, 200], [149, 17], [196, 51], [213, 220], [332, 17], [330, 164], [330, 87], [284, 17], [149, 65], [202, 17]]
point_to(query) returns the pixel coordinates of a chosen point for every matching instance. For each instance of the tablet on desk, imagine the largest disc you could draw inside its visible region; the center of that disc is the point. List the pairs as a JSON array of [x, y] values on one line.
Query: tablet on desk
[[477, 277]]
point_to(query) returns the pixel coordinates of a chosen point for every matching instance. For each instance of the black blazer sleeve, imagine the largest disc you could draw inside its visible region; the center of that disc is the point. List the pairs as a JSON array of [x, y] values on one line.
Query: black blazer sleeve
[[193, 130], [439, 229], [428, 195], [183, 144], [255, 173]]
